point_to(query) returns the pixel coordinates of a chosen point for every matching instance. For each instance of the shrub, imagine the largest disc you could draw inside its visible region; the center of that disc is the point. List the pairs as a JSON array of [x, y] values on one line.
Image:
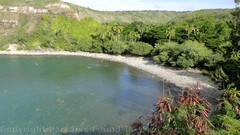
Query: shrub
[[85, 46], [232, 69], [140, 48], [96, 47], [166, 53], [188, 54], [32, 44], [114, 47], [71, 48], [192, 54], [91, 46], [217, 74], [162, 58], [213, 60], [226, 117], [4, 47]]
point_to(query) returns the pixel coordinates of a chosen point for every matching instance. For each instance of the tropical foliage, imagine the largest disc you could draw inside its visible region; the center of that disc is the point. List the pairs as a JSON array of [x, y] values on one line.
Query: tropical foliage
[[187, 54], [140, 48], [203, 42]]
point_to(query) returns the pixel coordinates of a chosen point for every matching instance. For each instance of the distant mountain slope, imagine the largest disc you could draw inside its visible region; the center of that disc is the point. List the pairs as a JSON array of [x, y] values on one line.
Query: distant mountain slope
[[26, 2], [21, 16], [126, 16], [221, 14], [106, 16]]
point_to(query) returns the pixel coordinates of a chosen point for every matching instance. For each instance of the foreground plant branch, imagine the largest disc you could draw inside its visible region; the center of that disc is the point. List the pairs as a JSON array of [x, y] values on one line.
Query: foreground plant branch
[[187, 115]]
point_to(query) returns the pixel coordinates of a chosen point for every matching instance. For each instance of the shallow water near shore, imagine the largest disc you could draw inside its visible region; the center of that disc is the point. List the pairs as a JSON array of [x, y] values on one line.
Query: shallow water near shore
[[46, 94]]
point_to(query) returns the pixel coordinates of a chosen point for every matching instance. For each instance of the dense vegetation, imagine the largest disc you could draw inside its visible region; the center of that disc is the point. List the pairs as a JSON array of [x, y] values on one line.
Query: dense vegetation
[[27, 22], [191, 113], [187, 116], [202, 41]]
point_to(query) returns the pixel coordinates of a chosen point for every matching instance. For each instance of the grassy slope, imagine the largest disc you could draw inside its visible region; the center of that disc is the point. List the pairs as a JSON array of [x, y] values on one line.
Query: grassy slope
[[127, 16], [148, 16], [221, 14]]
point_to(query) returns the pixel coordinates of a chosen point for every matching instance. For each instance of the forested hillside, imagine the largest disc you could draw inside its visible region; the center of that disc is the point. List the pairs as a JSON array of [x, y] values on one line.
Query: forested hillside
[[21, 16], [206, 39]]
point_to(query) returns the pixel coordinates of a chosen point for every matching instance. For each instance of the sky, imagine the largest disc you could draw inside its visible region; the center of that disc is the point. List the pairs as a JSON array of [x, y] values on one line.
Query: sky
[[176, 5]]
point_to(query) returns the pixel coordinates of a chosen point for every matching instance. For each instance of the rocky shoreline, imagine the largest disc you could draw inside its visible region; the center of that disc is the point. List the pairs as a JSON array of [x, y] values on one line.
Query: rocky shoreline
[[180, 78]]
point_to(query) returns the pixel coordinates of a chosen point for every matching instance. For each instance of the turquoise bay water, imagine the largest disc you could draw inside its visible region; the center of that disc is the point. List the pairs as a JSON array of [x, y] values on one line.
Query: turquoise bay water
[[43, 94]]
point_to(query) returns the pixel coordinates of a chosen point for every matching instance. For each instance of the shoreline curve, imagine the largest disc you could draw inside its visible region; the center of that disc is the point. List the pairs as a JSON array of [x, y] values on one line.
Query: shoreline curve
[[180, 78]]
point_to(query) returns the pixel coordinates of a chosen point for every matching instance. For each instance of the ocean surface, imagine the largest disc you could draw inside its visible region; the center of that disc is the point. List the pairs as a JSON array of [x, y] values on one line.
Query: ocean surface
[[70, 94]]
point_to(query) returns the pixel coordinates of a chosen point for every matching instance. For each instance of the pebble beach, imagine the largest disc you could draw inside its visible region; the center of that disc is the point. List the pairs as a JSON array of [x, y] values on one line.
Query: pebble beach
[[182, 79]]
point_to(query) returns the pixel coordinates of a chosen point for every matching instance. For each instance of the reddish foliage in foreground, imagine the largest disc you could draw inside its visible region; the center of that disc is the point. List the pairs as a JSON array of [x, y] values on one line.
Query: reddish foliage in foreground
[[188, 116]]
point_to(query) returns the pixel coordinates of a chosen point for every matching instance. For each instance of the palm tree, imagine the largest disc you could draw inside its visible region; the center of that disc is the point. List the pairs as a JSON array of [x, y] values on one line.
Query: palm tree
[[198, 34], [141, 28], [115, 31], [170, 32], [101, 34], [189, 29], [133, 36], [109, 32]]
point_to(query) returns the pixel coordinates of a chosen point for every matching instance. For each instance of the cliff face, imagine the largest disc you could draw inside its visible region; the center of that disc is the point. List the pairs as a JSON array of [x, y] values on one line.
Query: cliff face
[[9, 23], [10, 15]]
